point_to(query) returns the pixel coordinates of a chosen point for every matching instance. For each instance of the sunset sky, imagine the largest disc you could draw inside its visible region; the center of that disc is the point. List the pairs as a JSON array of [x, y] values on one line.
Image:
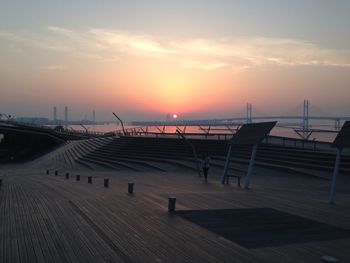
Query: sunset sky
[[199, 59]]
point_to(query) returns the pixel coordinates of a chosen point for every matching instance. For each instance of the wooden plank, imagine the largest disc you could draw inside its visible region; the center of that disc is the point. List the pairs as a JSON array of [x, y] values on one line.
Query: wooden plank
[[19, 222], [34, 249], [102, 223]]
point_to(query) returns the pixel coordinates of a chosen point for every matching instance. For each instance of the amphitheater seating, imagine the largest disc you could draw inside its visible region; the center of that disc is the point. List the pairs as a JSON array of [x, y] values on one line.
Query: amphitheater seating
[[166, 154]]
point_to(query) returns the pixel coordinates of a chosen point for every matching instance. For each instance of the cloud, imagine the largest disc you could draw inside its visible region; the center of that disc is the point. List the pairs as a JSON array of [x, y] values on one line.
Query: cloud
[[11, 36], [57, 67], [131, 43], [26, 39], [236, 54], [208, 65], [63, 31], [258, 51]]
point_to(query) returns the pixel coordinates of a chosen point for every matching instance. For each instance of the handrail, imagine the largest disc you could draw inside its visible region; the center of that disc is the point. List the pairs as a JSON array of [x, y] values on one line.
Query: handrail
[[52, 129], [144, 131], [270, 140]]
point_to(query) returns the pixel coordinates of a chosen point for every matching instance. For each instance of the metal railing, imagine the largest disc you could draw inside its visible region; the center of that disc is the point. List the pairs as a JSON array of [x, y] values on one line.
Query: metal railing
[[53, 130], [269, 140], [297, 143]]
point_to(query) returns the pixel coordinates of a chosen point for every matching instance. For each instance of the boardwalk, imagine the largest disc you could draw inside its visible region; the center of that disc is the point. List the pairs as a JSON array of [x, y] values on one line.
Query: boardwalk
[[47, 218]]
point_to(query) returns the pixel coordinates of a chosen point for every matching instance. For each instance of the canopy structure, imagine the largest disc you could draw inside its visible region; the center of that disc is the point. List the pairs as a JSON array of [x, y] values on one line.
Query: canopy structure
[[253, 133], [340, 142], [343, 138], [249, 134]]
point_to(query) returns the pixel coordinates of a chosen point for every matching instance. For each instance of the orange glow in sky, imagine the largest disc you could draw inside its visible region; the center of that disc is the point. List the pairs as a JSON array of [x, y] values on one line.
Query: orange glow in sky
[[196, 62]]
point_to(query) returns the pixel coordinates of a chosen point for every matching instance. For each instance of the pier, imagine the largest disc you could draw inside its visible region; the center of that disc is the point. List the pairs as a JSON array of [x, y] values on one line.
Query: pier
[[141, 199], [47, 218]]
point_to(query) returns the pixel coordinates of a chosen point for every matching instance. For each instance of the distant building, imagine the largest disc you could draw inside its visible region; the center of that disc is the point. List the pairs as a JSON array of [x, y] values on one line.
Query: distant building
[[168, 117], [32, 120], [93, 116]]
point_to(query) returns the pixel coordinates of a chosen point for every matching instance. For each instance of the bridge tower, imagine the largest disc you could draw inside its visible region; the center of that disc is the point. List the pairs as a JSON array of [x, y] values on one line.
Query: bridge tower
[[249, 113], [337, 124], [66, 116], [55, 115], [306, 116]]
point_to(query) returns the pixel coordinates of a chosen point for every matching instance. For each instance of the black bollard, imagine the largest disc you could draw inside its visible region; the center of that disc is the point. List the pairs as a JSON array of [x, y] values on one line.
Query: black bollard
[[56, 173], [78, 177], [0, 182], [106, 182], [172, 204], [67, 175], [47, 172], [130, 188], [89, 179]]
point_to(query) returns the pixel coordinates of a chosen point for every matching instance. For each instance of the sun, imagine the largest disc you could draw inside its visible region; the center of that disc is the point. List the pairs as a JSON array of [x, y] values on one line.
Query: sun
[[174, 116]]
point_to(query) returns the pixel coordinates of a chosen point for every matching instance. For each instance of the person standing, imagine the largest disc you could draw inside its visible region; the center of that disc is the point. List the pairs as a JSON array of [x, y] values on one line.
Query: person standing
[[206, 166]]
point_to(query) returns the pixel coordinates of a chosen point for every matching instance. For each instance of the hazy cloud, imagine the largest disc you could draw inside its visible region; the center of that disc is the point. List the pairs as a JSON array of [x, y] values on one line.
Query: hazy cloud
[[126, 42], [63, 31], [208, 65], [264, 51], [57, 67], [206, 54]]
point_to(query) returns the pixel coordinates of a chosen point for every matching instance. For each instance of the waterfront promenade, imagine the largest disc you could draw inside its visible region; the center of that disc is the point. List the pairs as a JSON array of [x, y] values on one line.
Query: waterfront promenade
[[47, 218]]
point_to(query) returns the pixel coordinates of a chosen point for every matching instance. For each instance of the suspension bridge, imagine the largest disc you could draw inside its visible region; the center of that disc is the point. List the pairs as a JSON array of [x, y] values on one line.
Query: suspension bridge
[[305, 118], [301, 120]]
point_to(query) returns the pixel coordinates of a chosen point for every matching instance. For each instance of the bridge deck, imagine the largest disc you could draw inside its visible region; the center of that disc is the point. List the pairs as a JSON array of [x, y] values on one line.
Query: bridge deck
[[46, 218]]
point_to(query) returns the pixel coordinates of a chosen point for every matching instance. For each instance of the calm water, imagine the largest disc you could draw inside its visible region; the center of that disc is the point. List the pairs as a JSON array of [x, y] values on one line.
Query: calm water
[[277, 131]]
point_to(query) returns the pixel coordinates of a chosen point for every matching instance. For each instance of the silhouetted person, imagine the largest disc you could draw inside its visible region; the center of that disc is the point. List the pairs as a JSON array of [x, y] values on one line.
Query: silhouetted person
[[205, 165]]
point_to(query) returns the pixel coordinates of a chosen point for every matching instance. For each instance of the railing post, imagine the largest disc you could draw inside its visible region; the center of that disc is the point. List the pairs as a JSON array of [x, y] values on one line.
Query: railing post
[[67, 175], [89, 179], [78, 177]]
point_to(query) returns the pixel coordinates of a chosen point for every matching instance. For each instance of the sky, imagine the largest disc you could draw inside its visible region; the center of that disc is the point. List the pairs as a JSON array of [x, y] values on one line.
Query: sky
[[199, 59]]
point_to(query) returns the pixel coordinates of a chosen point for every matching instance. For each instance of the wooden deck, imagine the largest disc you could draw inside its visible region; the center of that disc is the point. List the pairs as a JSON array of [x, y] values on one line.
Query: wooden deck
[[46, 218]]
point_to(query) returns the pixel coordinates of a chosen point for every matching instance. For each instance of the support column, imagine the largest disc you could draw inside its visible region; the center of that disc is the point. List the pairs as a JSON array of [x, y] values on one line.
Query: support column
[[227, 164], [250, 168], [334, 179]]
